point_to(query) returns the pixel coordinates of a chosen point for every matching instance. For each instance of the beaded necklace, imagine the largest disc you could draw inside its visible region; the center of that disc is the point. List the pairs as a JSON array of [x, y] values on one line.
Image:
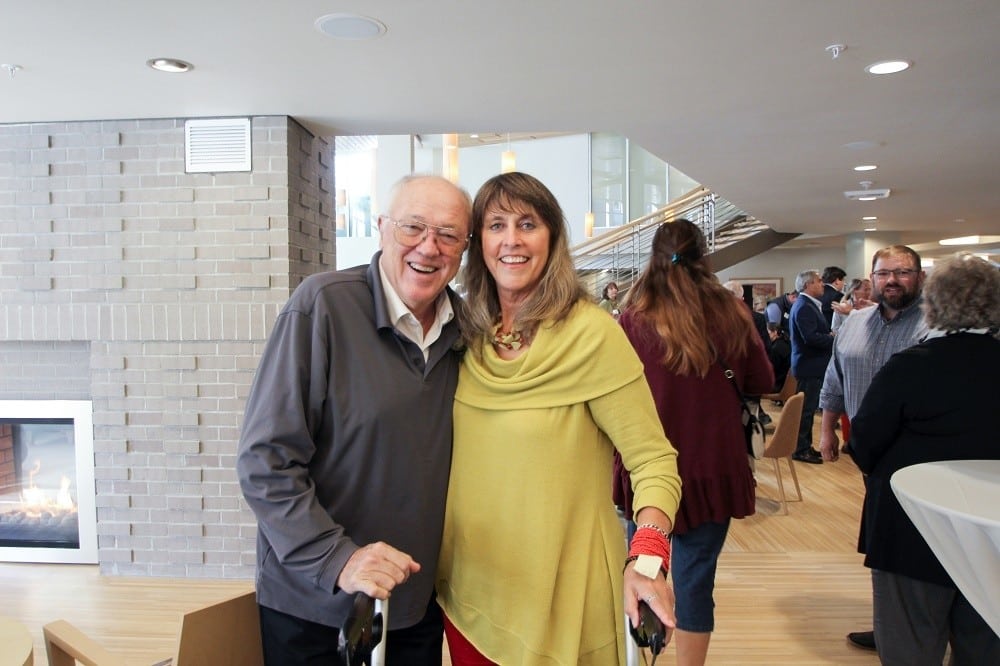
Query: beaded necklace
[[512, 340]]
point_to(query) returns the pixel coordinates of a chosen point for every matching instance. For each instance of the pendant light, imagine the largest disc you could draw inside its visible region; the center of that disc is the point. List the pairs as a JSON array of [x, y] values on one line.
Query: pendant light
[[508, 159]]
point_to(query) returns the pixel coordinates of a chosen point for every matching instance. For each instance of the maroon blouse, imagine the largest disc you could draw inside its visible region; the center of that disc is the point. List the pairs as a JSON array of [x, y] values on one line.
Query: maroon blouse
[[701, 418]]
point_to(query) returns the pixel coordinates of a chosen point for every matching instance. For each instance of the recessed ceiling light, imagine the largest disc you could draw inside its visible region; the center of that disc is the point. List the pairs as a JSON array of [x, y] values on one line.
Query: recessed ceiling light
[[867, 198], [869, 217], [866, 167], [870, 229], [171, 65], [350, 26], [888, 67]]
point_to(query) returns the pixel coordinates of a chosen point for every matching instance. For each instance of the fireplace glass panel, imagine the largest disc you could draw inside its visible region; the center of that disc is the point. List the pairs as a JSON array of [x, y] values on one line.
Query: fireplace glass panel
[[46, 482]]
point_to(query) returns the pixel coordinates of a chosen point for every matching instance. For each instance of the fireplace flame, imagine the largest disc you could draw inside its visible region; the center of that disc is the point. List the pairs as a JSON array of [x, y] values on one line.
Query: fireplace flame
[[35, 500]]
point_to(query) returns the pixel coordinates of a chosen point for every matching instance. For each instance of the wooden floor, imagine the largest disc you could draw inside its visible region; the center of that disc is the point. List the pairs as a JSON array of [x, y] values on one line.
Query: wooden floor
[[788, 587]]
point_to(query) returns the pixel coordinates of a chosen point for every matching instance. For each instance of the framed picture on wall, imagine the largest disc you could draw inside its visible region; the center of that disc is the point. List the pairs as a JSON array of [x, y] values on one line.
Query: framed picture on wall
[[761, 290]]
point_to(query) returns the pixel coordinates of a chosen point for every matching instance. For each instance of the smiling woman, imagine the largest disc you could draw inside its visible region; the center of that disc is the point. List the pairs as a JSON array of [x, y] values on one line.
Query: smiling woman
[[548, 391]]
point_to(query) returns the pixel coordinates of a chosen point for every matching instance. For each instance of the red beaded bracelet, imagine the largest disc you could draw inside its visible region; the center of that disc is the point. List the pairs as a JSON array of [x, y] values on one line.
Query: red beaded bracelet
[[650, 540]]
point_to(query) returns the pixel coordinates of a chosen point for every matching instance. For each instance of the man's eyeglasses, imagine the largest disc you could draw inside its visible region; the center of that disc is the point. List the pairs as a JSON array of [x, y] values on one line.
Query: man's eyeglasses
[[897, 273], [411, 232]]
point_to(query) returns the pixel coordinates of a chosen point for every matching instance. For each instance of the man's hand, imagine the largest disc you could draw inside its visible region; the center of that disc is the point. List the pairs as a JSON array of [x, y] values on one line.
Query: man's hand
[[829, 445], [376, 569]]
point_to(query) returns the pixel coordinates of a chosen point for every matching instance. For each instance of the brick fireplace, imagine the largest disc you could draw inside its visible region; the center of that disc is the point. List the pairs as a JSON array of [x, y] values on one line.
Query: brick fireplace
[[149, 293]]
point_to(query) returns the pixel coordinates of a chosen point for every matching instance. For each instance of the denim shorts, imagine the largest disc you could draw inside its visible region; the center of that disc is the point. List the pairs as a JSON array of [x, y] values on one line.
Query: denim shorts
[[693, 559]]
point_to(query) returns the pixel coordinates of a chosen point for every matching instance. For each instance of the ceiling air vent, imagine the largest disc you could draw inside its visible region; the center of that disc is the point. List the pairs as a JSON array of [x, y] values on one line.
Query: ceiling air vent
[[213, 145], [874, 194]]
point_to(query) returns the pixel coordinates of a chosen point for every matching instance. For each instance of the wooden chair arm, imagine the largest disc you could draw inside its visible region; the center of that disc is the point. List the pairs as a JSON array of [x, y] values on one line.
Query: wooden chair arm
[[66, 645]]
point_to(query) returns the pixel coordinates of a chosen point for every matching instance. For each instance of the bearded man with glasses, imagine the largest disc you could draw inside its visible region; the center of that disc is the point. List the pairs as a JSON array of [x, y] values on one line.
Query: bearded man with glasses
[[346, 443], [864, 343]]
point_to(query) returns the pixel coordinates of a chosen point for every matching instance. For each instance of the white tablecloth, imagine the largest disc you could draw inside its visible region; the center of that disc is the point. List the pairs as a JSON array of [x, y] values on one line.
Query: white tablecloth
[[956, 507]]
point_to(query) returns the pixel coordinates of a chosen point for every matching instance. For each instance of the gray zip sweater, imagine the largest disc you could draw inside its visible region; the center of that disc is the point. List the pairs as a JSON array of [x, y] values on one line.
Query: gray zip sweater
[[346, 440]]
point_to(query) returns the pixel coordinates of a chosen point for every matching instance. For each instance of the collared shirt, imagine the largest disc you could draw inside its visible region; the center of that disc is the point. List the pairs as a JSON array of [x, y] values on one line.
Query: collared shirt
[[818, 303], [408, 324], [863, 344]]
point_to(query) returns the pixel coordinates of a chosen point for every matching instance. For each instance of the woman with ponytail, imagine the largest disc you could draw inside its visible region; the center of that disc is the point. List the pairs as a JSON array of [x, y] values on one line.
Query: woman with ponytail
[[688, 330]]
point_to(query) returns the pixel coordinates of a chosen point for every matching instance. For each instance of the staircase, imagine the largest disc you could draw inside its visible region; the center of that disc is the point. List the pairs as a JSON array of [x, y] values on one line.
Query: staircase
[[732, 236]]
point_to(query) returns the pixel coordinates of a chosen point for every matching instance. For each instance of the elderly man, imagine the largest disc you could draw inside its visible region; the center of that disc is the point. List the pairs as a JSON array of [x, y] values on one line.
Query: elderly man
[[812, 342], [865, 342], [346, 443]]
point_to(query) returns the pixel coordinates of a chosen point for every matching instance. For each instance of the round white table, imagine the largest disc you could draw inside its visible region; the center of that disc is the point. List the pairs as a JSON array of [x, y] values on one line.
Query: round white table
[[956, 507], [16, 645]]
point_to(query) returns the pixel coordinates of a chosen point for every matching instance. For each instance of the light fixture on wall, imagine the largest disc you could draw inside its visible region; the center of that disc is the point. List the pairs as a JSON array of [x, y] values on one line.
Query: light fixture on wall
[[588, 225], [449, 157], [508, 159]]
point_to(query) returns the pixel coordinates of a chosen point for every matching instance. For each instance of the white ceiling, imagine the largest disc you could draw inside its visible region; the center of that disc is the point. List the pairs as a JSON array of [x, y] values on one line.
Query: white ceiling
[[742, 96]]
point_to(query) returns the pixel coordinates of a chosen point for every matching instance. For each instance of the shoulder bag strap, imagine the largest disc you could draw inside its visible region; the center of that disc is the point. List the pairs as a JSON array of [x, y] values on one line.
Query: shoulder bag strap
[[732, 380]]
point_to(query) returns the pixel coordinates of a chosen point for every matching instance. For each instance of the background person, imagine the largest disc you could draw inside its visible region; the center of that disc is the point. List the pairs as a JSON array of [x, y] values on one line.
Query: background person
[[532, 556], [857, 296], [779, 309], [833, 286], [609, 299], [865, 342], [669, 310], [346, 442], [779, 352], [812, 342], [905, 419], [760, 325]]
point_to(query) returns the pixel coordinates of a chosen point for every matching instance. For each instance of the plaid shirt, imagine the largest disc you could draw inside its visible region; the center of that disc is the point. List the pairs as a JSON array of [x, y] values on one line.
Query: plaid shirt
[[861, 347]]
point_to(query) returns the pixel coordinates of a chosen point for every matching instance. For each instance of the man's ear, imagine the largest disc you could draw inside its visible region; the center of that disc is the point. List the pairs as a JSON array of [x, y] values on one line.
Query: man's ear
[[378, 223]]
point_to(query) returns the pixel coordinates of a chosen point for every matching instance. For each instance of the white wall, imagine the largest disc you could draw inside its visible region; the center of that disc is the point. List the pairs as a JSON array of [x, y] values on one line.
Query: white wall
[[562, 163], [786, 264]]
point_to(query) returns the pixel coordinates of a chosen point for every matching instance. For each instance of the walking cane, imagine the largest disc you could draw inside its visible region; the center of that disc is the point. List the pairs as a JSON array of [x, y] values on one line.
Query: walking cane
[[362, 638]]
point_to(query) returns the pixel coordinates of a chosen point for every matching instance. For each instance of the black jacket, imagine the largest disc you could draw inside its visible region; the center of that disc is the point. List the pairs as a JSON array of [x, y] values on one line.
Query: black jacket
[[934, 401]]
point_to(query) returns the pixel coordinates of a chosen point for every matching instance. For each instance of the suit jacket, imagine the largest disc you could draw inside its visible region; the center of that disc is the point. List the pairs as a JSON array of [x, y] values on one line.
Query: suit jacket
[[830, 295], [812, 343], [934, 401]]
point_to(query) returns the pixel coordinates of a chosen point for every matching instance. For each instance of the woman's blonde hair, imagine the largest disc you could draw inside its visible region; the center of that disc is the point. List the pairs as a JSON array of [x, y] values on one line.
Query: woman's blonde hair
[[558, 289], [680, 297]]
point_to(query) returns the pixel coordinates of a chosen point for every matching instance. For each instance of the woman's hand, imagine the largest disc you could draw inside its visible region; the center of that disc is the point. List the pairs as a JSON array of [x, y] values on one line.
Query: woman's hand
[[655, 592], [843, 307]]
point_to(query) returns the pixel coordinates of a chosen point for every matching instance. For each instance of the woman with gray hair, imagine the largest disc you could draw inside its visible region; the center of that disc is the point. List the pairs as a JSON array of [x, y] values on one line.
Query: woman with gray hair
[[934, 401]]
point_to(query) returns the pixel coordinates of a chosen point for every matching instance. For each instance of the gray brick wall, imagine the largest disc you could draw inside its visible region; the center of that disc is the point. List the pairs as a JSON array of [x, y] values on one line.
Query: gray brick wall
[[155, 290]]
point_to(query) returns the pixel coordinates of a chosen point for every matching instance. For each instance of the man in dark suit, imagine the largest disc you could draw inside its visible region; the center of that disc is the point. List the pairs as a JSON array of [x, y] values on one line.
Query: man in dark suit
[[812, 344], [833, 290]]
